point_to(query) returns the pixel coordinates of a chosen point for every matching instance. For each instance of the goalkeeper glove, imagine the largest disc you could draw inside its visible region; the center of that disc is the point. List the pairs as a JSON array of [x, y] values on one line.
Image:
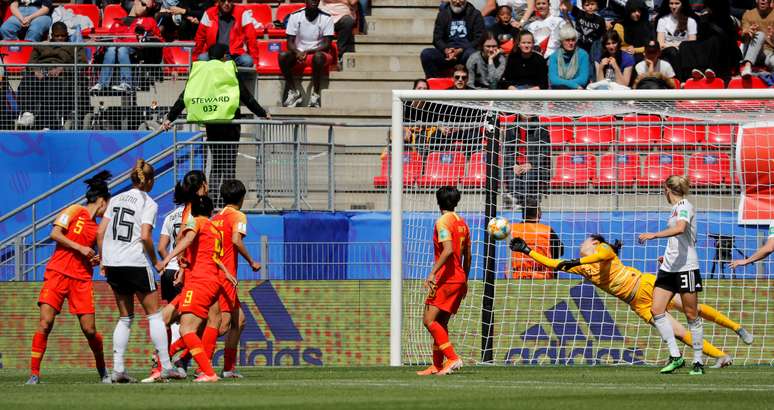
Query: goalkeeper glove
[[518, 245], [567, 265]]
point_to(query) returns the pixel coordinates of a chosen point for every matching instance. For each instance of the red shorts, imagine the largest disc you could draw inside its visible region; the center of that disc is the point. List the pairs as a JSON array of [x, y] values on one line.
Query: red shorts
[[447, 296], [229, 300], [299, 67], [198, 297], [58, 287]]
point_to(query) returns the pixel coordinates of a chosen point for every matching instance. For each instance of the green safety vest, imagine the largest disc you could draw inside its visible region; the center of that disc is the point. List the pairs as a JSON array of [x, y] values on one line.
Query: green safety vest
[[212, 91]]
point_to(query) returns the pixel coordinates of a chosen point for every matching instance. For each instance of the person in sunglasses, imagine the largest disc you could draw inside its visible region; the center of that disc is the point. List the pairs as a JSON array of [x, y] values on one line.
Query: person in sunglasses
[[460, 78]]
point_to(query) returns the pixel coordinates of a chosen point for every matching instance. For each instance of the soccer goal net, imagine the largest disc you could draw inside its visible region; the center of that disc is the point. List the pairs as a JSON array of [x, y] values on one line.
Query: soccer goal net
[[581, 163]]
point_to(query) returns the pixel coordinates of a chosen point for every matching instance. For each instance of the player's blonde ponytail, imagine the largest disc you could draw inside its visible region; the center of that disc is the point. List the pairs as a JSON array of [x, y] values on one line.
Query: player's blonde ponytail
[[678, 184], [142, 173]]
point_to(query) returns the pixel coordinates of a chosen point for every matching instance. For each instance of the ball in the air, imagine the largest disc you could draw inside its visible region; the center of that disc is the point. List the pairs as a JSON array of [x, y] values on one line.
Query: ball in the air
[[499, 228]]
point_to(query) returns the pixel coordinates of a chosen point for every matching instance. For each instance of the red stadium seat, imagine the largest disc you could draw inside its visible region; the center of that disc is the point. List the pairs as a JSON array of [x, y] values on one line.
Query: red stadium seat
[[574, 170], [89, 10], [598, 135], [682, 134], [619, 170], [110, 14], [709, 169], [560, 130], [720, 134], [747, 83], [16, 54], [704, 84], [645, 130], [442, 168], [261, 14], [659, 166], [412, 168], [180, 56], [268, 55], [476, 175], [750, 82], [440, 83], [282, 11]]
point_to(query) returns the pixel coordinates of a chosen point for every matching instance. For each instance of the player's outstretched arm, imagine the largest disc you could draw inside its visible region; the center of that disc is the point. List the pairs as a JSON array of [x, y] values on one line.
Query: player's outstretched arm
[[229, 276], [764, 251], [239, 244], [679, 228]]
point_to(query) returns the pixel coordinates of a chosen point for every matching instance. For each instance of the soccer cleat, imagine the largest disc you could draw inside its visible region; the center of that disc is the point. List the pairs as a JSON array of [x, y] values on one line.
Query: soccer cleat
[[674, 364], [154, 377], [314, 100], [34, 379], [106, 379], [746, 336], [429, 371], [122, 377], [293, 98], [231, 374], [181, 371], [698, 369], [722, 362], [203, 378], [450, 367], [173, 374]]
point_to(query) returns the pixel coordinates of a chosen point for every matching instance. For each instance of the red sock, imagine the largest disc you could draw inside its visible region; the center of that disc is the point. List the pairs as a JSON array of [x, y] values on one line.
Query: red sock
[[95, 343], [441, 338], [437, 357], [39, 342], [229, 359], [197, 351], [209, 340], [176, 347]]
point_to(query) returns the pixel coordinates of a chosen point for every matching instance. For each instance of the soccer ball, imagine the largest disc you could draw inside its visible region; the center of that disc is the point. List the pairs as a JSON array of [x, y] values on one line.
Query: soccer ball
[[499, 228]]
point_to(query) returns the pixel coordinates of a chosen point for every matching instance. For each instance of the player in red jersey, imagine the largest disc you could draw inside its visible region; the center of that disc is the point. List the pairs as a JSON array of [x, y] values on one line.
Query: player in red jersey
[[233, 223], [447, 281], [69, 275], [202, 285]]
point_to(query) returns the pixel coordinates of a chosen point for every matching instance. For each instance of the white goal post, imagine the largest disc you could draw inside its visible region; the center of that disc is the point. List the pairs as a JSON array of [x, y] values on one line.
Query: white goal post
[[531, 318]]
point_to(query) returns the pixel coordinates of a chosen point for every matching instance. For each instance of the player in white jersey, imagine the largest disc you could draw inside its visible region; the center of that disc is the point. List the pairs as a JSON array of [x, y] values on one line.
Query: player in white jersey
[[678, 273], [167, 241], [126, 247], [761, 253]]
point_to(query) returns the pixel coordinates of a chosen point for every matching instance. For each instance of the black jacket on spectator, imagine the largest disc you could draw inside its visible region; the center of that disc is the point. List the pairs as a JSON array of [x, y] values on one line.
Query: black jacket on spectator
[[474, 24], [718, 29], [637, 33], [590, 27], [502, 31], [525, 72]]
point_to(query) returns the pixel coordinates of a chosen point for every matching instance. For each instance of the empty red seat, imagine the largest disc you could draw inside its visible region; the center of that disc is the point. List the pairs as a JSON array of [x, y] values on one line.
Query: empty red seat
[[748, 105], [749, 82], [16, 54], [709, 169], [704, 84], [268, 55], [412, 168], [659, 166], [574, 170], [442, 168], [560, 130], [282, 11], [89, 10], [619, 169], [180, 57], [476, 175], [720, 134], [110, 14], [599, 134], [682, 133], [643, 131], [261, 13], [442, 83]]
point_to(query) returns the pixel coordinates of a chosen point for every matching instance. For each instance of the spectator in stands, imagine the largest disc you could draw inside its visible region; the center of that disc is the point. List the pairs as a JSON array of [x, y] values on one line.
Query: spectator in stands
[[537, 236], [635, 29], [653, 72], [179, 19], [458, 31], [676, 23], [526, 69], [32, 16], [590, 27], [460, 77], [486, 68], [505, 29], [418, 136], [614, 67], [568, 67], [310, 32], [545, 28], [221, 24], [521, 11], [43, 84], [344, 14], [758, 37], [715, 52], [134, 28]]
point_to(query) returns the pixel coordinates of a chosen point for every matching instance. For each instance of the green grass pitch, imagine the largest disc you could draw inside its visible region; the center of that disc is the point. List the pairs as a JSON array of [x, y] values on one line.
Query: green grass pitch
[[381, 387]]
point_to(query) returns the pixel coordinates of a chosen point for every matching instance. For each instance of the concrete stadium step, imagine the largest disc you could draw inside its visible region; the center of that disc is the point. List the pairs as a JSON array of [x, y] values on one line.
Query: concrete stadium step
[[425, 40], [400, 25], [355, 100], [375, 76], [336, 112], [406, 12], [382, 62], [390, 48], [371, 85], [406, 3]]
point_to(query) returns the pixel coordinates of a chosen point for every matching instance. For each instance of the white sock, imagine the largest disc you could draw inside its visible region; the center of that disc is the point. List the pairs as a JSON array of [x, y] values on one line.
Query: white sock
[[175, 330], [120, 341], [697, 338], [158, 334], [667, 333]]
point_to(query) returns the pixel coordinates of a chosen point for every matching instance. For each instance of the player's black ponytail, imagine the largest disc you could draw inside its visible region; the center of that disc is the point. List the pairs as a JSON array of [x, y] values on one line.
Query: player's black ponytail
[[185, 189], [98, 187], [616, 245], [202, 206]]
